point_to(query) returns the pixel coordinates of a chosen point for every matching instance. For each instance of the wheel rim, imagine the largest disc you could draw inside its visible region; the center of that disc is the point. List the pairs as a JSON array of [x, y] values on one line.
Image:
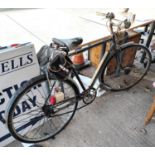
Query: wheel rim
[[131, 69], [33, 125]]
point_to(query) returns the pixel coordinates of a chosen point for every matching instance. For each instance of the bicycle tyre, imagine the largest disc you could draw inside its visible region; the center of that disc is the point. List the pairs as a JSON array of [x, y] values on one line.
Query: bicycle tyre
[[10, 114], [114, 82]]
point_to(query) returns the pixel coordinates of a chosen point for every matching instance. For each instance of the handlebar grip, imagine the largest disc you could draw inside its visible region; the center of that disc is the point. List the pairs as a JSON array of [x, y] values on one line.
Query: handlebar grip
[[122, 24], [127, 24], [109, 15]]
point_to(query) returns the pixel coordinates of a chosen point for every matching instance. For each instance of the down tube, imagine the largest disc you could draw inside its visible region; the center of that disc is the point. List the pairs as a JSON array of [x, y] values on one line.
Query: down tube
[[99, 69]]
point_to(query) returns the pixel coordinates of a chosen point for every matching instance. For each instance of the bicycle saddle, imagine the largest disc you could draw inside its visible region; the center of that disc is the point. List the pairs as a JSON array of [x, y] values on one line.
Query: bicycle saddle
[[70, 44]]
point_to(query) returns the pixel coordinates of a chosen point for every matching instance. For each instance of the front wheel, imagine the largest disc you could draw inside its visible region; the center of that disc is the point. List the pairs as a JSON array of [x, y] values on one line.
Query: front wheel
[[37, 112], [126, 68]]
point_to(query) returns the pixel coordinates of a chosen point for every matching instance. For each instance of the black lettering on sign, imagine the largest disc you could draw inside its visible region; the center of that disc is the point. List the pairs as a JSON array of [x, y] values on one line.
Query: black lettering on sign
[[16, 63], [2, 100], [21, 61], [5, 67], [25, 106], [33, 101], [16, 87], [29, 57], [13, 66], [17, 111], [8, 91], [2, 116]]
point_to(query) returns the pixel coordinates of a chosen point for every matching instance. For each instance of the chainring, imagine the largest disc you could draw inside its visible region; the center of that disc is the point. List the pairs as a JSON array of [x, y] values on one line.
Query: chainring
[[89, 95]]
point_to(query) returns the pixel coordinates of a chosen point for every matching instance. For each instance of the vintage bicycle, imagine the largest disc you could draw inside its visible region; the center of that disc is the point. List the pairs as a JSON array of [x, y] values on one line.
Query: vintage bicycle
[[54, 95]]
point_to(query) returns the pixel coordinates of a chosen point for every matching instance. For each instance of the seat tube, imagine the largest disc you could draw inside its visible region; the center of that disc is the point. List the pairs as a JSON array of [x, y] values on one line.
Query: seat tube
[[78, 78], [99, 69]]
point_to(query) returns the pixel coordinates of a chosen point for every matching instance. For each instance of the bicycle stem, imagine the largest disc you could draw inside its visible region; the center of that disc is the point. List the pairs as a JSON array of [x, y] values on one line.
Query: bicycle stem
[[112, 33]]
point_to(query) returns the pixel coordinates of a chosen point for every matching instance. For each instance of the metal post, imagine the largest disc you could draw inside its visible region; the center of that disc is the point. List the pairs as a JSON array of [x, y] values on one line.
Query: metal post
[[151, 33]]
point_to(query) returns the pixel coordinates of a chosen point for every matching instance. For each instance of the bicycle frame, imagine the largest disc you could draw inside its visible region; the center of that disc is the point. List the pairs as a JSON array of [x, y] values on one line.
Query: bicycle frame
[[98, 70], [115, 47], [102, 62], [96, 74]]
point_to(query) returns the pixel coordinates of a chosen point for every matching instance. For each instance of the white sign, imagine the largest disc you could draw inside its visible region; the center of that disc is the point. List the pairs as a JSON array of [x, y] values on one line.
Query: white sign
[[17, 65]]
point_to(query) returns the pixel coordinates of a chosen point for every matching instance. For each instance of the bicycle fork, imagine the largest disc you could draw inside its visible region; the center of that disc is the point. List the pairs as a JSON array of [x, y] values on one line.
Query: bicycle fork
[[118, 64]]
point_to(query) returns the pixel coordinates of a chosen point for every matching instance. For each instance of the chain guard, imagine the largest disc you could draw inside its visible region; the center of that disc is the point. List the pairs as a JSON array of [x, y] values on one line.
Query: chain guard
[[89, 95]]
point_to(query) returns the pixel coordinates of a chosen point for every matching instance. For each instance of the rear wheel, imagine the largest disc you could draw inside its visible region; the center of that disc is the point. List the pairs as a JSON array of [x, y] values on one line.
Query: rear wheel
[[126, 68], [37, 113]]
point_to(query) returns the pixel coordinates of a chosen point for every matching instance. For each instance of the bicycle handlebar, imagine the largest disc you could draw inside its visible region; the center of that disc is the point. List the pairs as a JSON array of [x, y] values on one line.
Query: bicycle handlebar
[[111, 16]]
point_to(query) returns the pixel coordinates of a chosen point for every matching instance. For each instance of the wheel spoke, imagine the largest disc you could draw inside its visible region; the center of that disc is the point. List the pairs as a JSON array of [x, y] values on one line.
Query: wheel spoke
[[132, 70], [42, 121]]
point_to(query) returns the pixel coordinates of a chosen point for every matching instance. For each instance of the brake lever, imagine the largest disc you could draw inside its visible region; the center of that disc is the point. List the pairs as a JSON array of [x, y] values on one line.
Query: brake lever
[[121, 24]]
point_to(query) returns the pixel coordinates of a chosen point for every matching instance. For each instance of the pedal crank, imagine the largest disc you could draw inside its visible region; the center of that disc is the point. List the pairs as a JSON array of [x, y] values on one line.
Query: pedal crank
[[89, 95]]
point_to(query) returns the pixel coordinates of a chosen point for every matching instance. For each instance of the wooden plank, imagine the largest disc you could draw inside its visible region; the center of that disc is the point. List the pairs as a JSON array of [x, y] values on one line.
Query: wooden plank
[[96, 52]]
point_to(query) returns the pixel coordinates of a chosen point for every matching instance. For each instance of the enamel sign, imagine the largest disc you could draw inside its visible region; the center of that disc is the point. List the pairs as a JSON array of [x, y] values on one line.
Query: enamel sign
[[17, 65]]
